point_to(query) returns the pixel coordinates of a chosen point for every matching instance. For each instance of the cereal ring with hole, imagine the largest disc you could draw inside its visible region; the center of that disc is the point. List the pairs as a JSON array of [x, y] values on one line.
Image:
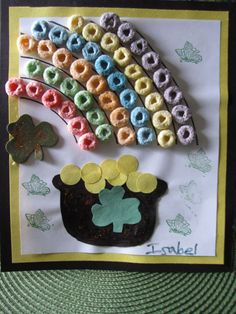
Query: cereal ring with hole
[[62, 58], [162, 119], [67, 110], [154, 102], [69, 87], [78, 126], [145, 136], [128, 98], [108, 101], [40, 30], [96, 85], [34, 68], [110, 42], [51, 99], [88, 141], [96, 116], [92, 32], [162, 78], [15, 87], [133, 71], [46, 49], [81, 70], [186, 134], [122, 56], [139, 46], [104, 132], [116, 81], [139, 117], [52, 76], [181, 114], [34, 90], [26, 44], [173, 95], [150, 61], [76, 23], [104, 65], [126, 136], [166, 138], [126, 32], [110, 21], [119, 117], [84, 100], [58, 35], [91, 51], [143, 86], [75, 43]]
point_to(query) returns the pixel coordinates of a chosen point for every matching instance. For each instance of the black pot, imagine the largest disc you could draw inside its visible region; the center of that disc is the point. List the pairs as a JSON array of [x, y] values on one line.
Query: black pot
[[76, 204]]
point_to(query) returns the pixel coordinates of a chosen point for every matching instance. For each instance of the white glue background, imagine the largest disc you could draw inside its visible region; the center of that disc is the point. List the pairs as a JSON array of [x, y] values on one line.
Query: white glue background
[[191, 172]]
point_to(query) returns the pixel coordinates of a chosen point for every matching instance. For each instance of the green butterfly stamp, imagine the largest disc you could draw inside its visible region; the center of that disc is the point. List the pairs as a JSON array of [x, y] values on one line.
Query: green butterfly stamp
[[198, 160], [190, 192], [36, 186], [189, 53], [179, 225], [38, 220]]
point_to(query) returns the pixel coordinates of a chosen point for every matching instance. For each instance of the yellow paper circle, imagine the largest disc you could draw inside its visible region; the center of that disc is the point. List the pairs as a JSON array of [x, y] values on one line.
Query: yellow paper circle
[[109, 169], [127, 164], [118, 181], [97, 187], [91, 173], [132, 181], [146, 183], [70, 174]]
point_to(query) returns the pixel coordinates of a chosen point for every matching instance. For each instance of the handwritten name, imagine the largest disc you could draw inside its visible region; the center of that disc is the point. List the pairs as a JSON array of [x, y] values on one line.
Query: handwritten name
[[171, 250]]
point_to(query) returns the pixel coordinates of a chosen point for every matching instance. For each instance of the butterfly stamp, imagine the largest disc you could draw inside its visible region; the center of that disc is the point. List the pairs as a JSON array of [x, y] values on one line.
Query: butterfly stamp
[[190, 192], [38, 220], [189, 53], [36, 186], [198, 160], [179, 225]]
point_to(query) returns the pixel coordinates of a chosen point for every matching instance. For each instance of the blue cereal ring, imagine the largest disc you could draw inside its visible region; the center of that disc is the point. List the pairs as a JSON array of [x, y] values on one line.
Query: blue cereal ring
[[58, 35], [139, 117], [40, 29], [116, 81], [128, 98], [91, 51], [75, 42], [104, 65], [145, 136]]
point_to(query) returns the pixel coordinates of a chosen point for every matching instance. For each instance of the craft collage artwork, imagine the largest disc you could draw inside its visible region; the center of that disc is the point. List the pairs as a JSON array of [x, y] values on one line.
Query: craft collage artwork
[[114, 151]]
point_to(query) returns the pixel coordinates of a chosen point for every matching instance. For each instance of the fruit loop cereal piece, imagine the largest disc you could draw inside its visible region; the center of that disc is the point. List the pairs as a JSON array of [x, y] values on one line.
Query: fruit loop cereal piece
[[186, 134], [34, 68], [70, 174], [133, 71], [145, 136], [128, 98], [127, 164], [126, 136], [51, 99], [52, 76], [91, 173], [119, 180], [75, 43], [26, 44], [122, 56], [146, 183], [96, 85], [46, 49], [143, 86], [92, 32], [166, 138], [76, 23], [126, 32], [110, 42], [173, 95], [150, 61], [34, 90], [181, 114], [88, 141], [97, 187], [67, 110], [91, 51], [40, 30], [58, 35], [139, 117], [162, 119], [108, 101], [119, 117], [95, 116], [162, 78], [109, 169], [104, 65], [69, 87], [110, 21], [84, 100], [78, 126], [62, 58], [139, 47], [81, 70], [104, 132], [154, 102], [116, 81], [15, 87]]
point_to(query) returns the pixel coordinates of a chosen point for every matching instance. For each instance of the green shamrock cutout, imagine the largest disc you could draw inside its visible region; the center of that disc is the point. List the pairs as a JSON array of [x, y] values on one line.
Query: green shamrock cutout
[[179, 225], [116, 210], [36, 186], [189, 53], [28, 138]]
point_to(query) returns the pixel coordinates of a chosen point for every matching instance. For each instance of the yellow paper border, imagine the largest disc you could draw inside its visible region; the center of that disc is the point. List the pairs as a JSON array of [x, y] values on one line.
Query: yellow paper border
[[15, 13]]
